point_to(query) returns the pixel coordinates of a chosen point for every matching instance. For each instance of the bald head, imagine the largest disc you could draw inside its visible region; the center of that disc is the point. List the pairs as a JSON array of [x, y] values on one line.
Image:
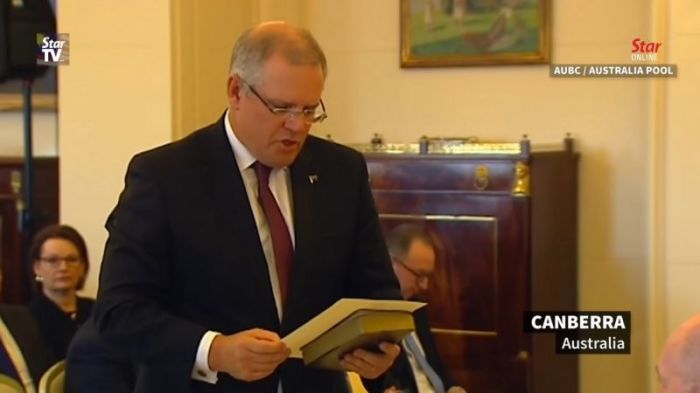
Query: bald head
[[256, 45], [679, 366]]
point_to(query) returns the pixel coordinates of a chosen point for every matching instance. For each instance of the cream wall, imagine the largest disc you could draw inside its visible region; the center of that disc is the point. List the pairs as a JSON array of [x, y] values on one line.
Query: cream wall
[[44, 136], [681, 142], [155, 64], [367, 92], [115, 100], [203, 33]]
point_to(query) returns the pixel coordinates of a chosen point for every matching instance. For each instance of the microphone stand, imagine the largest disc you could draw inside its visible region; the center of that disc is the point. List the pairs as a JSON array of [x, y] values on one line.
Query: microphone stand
[[27, 222]]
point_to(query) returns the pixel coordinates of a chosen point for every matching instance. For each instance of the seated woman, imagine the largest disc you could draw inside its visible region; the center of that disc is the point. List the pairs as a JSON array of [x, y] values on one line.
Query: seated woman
[[60, 263]]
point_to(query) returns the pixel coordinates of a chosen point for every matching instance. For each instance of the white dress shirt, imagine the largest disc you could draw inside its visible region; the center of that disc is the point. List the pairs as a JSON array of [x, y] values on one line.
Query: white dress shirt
[[422, 382], [280, 185]]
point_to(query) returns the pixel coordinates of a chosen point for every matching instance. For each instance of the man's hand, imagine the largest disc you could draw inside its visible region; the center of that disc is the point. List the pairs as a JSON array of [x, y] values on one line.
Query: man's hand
[[368, 364], [248, 355]]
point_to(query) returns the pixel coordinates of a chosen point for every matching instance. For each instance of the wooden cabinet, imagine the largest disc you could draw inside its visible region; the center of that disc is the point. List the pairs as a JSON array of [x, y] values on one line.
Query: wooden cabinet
[[15, 279], [504, 217]]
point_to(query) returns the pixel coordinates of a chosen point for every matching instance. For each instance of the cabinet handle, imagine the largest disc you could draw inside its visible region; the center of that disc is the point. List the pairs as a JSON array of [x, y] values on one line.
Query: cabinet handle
[[16, 185], [521, 187], [522, 356], [481, 177]]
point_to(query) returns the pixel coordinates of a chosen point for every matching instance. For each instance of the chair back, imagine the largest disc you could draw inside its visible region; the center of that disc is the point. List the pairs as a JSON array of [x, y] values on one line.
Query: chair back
[[53, 379], [10, 385], [355, 383]]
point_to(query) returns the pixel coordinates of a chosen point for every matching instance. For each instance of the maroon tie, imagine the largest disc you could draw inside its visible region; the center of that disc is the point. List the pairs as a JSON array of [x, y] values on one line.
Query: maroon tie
[[281, 241]]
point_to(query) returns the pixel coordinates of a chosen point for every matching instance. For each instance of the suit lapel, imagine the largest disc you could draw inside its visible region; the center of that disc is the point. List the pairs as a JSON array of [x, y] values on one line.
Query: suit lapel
[[231, 206], [305, 181], [230, 202]]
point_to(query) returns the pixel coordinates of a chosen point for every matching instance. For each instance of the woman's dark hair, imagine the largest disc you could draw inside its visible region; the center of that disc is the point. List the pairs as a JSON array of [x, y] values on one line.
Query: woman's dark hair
[[64, 232]]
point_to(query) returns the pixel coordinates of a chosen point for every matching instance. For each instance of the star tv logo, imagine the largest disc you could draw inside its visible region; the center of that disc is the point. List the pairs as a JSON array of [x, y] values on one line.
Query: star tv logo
[[53, 49], [644, 51]]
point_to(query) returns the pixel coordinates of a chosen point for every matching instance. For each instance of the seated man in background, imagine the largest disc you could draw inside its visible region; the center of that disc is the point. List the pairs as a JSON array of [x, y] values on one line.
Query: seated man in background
[[412, 253], [24, 355], [679, 366]]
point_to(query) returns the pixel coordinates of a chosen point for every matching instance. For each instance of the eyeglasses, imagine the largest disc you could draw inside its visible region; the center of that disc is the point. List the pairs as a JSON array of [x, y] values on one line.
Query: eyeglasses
[[310, 115], [422, 278], [55, 261]]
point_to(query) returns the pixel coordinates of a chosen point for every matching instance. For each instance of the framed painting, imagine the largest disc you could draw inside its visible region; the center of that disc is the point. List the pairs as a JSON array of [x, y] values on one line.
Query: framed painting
[[443, 33]]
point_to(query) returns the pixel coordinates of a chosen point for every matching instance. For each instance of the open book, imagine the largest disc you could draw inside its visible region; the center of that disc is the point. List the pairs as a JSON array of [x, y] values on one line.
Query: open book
[[350, 324]]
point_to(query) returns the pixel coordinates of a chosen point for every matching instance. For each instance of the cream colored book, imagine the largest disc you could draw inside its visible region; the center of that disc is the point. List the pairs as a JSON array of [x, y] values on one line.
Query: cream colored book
[[350, 324], [363, 329]]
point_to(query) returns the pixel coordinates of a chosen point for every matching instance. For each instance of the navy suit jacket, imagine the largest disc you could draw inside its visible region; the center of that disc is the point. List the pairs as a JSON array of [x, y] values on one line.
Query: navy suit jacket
[[25, 331], [184, 256], [93, 365], [401, 374]]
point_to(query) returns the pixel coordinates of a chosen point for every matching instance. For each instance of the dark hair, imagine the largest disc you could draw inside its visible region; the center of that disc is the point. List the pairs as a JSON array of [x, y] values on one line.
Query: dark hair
[[401, 238], [64, 232]]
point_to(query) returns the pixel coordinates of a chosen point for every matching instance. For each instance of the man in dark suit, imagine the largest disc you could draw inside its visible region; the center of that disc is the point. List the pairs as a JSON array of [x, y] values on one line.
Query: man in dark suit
[[24, 354], [420, 370], [233, 237]]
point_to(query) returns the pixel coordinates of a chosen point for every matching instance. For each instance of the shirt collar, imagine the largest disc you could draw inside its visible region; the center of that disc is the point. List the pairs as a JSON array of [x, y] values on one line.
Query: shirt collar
[[243, 157]]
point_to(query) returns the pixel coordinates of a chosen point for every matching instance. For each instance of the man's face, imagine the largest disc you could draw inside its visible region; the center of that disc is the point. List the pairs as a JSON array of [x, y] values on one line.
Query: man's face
[[274, 139], [415, 269], [671, 372]]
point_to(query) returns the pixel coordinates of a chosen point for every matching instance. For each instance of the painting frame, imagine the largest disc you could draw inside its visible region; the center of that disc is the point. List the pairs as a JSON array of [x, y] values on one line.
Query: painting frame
[[512, 23]]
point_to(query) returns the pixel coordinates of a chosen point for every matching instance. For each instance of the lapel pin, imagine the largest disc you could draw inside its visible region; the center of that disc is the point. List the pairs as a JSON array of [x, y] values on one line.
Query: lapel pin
[[313, 179]]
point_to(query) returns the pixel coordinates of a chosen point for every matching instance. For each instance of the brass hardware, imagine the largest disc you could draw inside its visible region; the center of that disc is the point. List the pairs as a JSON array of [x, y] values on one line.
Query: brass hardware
[[423, 145], [16, 185], [522, 356], [481, 177], [16, 182], [390, 148], [436, 217], [484, 148], [522, 179], [436, 148], [376, 142]]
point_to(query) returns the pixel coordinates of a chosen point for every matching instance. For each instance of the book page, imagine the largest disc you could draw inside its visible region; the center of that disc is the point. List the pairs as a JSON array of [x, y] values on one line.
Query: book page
[[337, 313]]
